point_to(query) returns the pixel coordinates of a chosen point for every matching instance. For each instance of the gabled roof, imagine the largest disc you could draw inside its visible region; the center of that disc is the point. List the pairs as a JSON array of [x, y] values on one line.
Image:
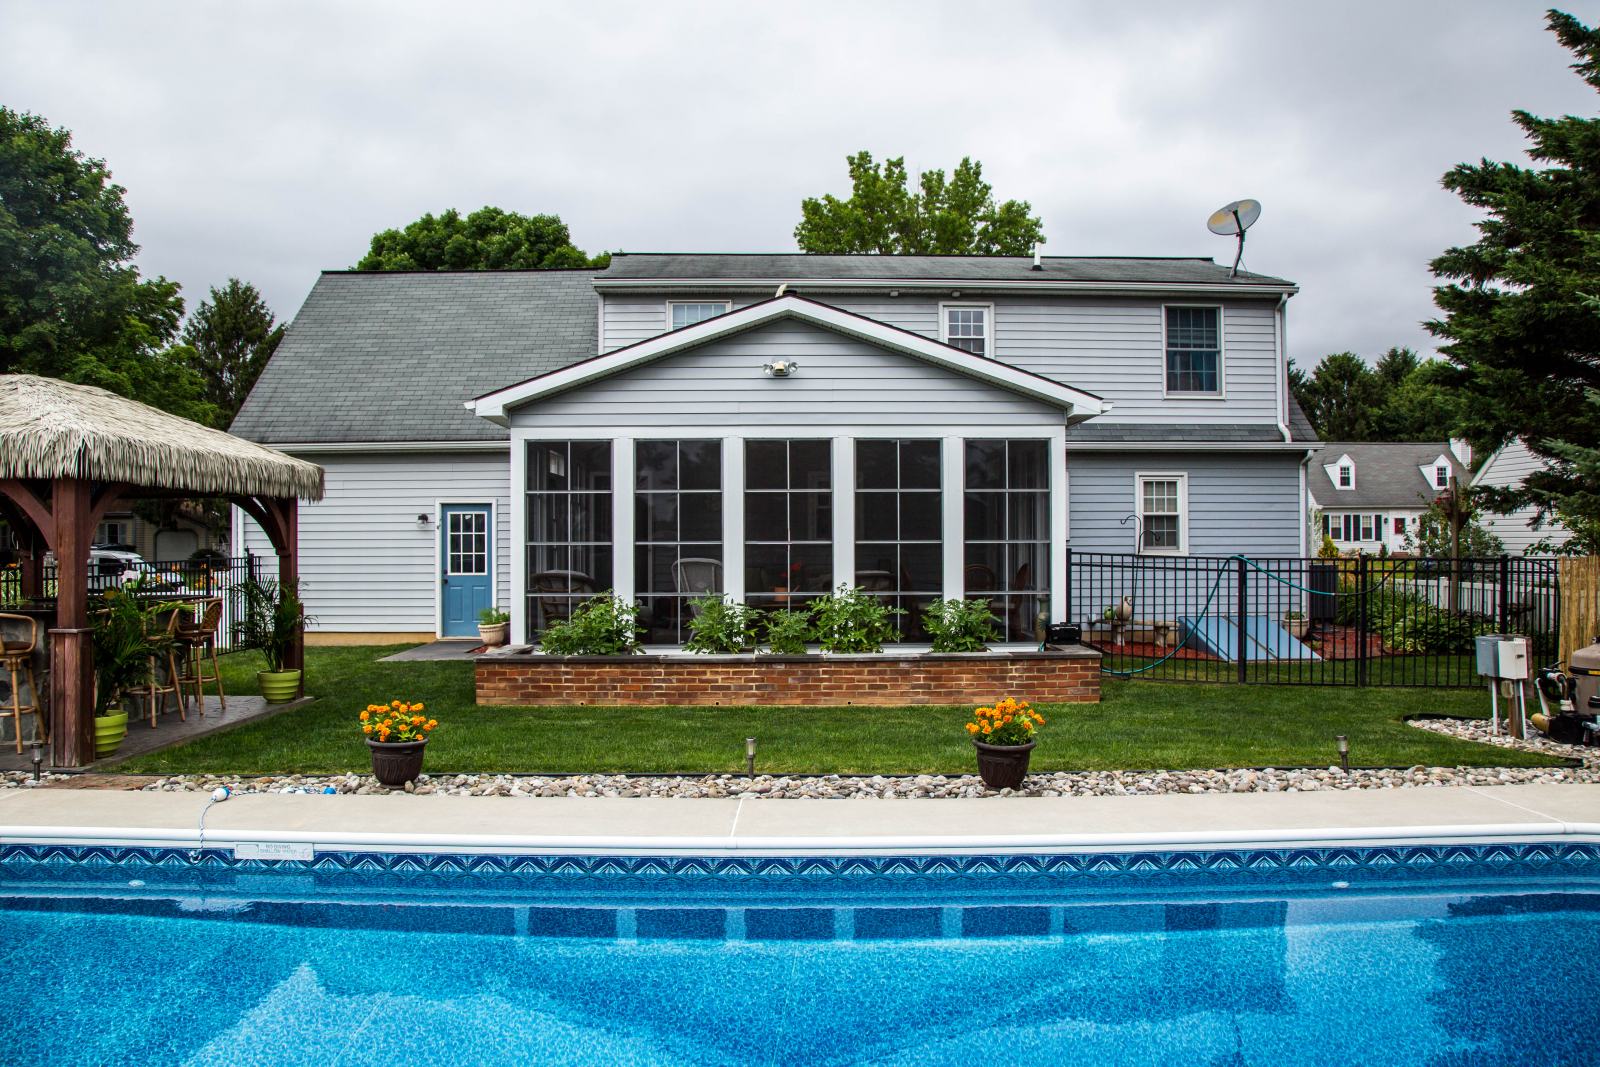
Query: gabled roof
[[644, 269], [1387, 473], [390, 357], [1075, 402]]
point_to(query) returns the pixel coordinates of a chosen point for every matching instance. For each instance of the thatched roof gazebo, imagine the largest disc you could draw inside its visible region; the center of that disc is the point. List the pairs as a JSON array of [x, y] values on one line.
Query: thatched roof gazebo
[[68, 453]]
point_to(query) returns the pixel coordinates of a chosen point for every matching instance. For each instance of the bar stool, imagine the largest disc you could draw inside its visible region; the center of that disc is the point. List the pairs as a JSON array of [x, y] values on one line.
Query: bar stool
[[197, 641], [16, 658], [163, 645]]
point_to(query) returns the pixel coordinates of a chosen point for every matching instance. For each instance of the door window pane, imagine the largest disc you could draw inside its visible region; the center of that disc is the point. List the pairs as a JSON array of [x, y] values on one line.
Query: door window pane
[[788, 522], [677, 533], [1007, 551], [899, 549], [568, 545]]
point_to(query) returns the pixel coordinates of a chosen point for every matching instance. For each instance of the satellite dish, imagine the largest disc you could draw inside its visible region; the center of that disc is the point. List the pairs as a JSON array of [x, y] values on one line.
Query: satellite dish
[[1234, 218]]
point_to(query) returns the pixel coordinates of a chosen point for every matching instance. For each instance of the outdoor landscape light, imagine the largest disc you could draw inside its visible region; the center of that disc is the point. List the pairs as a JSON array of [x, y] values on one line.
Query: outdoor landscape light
[[750, 756], [38, 759], [1344, 752]]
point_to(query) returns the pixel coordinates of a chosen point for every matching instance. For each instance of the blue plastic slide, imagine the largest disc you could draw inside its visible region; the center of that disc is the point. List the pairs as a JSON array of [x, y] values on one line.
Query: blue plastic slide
[[1265, 638]]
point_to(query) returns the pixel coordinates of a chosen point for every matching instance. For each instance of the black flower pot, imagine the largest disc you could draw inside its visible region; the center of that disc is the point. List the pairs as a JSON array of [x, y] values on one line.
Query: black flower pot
[[1003, 766], [394, 763]]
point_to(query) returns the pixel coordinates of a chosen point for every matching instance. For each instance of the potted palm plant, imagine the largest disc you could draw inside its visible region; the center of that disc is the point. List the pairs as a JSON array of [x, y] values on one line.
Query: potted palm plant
[[1004, 736], [122, 651], [272, 623], [397, 737]]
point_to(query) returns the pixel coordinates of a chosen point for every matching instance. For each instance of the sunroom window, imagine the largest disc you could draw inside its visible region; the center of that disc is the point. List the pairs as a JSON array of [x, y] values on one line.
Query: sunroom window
[[689, 313], [678, 532], [569, 527], [899, 528], [1007, 509], [788, 522]]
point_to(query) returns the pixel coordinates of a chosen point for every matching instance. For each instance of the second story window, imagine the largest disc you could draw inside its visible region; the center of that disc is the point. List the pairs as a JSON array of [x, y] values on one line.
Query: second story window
[[1347, 476], [967, 326], [1194, 350], [1441, 477], [687, 314]]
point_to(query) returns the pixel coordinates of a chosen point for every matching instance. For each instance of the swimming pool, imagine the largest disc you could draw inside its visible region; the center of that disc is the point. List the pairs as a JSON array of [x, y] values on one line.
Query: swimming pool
[[1461, 954]]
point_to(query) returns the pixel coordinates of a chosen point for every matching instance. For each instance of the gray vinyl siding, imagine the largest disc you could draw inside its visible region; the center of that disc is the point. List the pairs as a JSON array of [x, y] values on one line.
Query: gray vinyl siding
[[841, 381], [1507, 468], [1114, 348], [364, 563]]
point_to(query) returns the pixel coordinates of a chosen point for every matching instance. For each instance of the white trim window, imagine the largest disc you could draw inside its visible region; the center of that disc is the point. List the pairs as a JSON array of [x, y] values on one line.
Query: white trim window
[[1441, 476], [1163, 502], [1194, 350], [969, 327], [1347, 476], [689, 312]]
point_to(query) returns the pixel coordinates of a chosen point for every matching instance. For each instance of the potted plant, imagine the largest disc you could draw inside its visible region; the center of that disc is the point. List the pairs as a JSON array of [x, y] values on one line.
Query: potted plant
[[960, 625], [272, 623], [1295, 622], [397, 737], [719, 626], [122, 651], [853, 620], [1004, 736], [493, 626], [603, 625]]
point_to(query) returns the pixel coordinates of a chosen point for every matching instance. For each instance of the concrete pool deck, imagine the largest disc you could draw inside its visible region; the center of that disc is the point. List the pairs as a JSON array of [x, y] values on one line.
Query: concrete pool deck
[[648, 826]]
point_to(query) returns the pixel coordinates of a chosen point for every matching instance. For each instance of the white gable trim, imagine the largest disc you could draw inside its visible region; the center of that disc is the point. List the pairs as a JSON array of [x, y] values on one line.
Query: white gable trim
[[1077, 404], [1332, 470], [1429, 470]]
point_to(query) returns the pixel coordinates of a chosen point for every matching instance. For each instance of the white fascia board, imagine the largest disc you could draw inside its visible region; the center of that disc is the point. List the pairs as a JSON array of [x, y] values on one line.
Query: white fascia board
[[1297, 447], [314, 447], [821, 285], [1078, 404]]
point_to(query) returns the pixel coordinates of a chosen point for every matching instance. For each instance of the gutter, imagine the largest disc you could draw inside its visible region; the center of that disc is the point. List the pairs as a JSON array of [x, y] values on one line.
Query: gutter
[[334, 447], [804, 285]]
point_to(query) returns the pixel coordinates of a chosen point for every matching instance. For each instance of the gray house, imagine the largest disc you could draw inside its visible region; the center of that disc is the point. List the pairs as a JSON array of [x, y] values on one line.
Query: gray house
[[773, 426], [1369, 495]]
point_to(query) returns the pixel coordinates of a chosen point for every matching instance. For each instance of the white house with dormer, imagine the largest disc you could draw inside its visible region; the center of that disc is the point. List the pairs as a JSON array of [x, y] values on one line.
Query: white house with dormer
[[1368, 496]]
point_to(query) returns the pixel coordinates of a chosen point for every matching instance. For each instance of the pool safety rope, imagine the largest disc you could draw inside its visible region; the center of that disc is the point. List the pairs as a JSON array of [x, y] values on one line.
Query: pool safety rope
[[1211, 596]]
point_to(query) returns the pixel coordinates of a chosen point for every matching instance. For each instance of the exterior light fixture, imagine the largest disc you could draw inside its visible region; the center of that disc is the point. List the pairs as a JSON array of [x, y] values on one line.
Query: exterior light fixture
[[1344, 752], [38, 759], [422, 522], [780, 368], [750, 757]]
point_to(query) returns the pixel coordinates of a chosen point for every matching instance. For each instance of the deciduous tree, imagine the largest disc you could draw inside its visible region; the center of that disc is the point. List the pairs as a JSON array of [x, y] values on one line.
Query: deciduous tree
[[487, 239]]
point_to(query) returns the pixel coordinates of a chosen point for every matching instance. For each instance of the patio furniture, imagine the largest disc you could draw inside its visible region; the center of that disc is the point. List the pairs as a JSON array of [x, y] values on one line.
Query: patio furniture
[[697, 575], [164, 645], [547, 587], [16, 658], [196, 642]]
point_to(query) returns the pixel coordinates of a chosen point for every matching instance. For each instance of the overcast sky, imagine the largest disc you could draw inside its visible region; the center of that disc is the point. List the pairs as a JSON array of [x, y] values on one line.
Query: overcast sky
[[269, 141]]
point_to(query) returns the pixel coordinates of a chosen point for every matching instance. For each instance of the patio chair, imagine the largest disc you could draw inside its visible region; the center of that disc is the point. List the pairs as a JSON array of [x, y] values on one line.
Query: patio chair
[[548, 588], [16, 658], [196, 642], [164, 645]]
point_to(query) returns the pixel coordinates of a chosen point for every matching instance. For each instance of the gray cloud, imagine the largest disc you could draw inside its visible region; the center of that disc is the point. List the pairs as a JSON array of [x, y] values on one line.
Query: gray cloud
[[269, 141]]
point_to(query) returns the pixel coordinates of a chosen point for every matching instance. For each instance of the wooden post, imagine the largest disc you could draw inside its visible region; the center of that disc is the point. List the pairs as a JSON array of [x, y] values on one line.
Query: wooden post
[[71, 641], [289, 579]]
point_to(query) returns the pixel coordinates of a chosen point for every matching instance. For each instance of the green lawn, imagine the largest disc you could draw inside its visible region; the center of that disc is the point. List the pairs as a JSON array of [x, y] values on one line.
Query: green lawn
[[1139, 725]]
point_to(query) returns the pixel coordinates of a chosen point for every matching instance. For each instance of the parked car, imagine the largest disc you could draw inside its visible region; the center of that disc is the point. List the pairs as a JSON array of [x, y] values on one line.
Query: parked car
[[114, 567]]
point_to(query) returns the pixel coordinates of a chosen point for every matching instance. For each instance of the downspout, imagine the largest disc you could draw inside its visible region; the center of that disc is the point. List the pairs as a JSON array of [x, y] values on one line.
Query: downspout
[[1281, 328]]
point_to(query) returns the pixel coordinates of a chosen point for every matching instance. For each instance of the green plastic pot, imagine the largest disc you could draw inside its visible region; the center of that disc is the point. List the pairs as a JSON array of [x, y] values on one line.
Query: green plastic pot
[[279, 687], [109, 730]]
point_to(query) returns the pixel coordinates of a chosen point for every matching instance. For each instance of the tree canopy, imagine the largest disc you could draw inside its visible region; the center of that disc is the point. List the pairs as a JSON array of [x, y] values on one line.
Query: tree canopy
[[1518, 316], [230, 337], [882, 214], [72, 304], [487, 239], [1402, 398]]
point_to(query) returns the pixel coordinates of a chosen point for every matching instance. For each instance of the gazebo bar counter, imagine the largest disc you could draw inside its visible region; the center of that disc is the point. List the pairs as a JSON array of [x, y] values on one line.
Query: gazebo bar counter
[[68, 453]]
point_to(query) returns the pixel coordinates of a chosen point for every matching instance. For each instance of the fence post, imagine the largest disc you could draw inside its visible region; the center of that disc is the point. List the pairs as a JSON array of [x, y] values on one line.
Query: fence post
[[1067, 614], [1504, 614], [1242, 622], [1361, 618]]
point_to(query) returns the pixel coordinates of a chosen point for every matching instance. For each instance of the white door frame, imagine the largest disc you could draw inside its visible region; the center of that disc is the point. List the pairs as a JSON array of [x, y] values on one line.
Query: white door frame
[[439, 534]]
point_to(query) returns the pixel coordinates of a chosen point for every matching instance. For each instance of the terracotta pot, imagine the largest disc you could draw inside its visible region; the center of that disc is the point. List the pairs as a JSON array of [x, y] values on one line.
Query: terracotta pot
[[279, 687], [394, 763], [1003, 766]]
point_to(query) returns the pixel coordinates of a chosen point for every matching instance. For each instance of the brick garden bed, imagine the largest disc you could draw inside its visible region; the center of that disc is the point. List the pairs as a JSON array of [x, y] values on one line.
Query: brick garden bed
[[521, 676]]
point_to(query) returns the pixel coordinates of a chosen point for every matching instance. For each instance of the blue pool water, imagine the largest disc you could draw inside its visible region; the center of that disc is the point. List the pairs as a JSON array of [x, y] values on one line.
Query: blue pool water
[[1429, 955]]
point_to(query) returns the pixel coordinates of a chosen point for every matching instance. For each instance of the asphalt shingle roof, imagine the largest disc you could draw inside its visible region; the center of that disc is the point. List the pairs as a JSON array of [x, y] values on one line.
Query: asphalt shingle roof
[[1388, 473], [656, 266], [392, 356]]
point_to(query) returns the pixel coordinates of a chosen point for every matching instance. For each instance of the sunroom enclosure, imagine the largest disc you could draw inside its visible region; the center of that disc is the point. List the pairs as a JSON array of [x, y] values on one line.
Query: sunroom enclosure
[[778, 520]]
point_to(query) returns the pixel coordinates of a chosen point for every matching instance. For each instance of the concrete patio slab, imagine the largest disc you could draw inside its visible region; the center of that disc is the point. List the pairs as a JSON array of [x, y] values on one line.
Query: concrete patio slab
[[452, 649]]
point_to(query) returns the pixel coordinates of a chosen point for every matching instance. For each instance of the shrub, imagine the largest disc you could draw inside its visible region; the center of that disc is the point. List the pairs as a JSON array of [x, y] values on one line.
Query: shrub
[[718, 625], [960, 625], [852, 620], [788, 632], [603, 625]]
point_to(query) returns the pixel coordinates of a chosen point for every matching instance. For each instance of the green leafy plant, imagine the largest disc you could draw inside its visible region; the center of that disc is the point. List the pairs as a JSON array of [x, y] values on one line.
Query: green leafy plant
[[717, 625], [853, 620], [122, 649], [493, 617], [960, 625], [603, 625], [273, 619], [788, 632]]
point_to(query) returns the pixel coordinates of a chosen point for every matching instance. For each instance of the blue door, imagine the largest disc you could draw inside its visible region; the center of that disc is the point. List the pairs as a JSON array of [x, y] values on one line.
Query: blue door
[[467, 563]]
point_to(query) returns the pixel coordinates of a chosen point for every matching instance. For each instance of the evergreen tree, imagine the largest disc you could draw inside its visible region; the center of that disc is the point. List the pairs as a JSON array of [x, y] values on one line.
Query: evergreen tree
[[230, 337]]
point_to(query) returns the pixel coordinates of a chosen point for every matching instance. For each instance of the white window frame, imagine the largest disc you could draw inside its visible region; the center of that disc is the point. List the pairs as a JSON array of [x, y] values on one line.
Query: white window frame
[[726, 306], [1339, 472], [441, 548], [946, 306], [1182, 478], [1221, 392], [1441, 484]]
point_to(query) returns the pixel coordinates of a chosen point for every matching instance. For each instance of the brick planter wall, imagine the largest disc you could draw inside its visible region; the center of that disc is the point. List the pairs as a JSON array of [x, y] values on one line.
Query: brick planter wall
[[519, 676]]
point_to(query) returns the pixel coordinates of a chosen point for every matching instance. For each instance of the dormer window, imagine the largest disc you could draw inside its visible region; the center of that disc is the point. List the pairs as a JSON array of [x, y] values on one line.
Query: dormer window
[[1441, 476], [1347, 476], [967, 326], [687, 314]]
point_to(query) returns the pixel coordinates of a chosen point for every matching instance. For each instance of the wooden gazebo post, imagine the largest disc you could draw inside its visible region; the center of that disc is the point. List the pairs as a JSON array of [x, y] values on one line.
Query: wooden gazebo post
[[279, 519], [72, 640]]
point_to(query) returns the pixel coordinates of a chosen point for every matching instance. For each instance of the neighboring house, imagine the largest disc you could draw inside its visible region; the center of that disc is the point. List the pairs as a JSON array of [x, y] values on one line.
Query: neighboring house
[[1369, 495], [172, 542], [1506, 468], [771, 426]]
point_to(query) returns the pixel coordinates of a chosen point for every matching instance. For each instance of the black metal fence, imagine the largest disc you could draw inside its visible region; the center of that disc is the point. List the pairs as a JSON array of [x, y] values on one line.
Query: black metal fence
[[1378, 621], [187, 580]]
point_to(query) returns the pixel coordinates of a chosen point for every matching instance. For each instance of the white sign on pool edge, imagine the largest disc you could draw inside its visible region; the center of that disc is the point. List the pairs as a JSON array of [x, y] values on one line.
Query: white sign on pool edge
[[272, 850]]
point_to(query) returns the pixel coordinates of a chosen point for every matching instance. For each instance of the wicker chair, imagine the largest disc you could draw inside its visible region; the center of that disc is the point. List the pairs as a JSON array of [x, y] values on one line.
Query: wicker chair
[[197, 643], [16, 658]]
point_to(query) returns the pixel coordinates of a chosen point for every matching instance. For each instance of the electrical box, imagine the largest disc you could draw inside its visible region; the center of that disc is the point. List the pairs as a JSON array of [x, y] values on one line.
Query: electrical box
[[1503, 656]]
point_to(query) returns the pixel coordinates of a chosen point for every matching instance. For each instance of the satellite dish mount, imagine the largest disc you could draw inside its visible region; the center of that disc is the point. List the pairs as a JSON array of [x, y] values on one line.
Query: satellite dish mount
[[1234, 219]]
